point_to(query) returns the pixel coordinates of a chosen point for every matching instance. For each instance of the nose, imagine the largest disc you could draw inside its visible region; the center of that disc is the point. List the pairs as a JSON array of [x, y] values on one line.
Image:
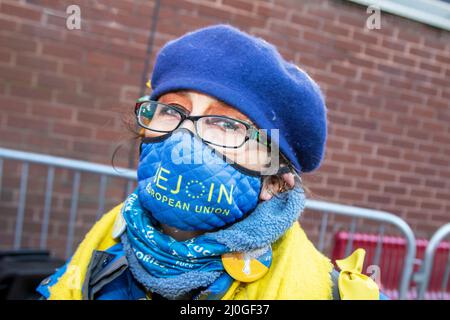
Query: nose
[[188, 124]]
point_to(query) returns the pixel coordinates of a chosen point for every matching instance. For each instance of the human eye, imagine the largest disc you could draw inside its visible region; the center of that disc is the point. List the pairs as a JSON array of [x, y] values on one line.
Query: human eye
[[168, 111], [225, 124], [147, 111]]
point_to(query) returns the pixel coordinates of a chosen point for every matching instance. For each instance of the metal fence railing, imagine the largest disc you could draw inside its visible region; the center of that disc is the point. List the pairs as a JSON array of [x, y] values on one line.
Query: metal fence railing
[[26, 158], [327, 213], [422, 277], [382, 219]]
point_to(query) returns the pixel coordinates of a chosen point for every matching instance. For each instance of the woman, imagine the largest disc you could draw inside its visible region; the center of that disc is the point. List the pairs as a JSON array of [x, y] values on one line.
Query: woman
[[227, 129]]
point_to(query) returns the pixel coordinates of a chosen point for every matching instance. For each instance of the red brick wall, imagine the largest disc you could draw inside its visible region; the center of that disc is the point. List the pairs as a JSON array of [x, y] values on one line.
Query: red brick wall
[[65, 92]]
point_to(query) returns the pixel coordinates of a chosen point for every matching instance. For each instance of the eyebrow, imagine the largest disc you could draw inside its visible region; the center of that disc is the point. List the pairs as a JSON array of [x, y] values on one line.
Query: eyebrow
[[181, 93], [218, 103]]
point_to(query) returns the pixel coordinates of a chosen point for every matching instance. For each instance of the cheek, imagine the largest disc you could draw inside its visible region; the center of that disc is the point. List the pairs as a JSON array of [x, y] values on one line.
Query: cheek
[[249, 157], [151, 134]]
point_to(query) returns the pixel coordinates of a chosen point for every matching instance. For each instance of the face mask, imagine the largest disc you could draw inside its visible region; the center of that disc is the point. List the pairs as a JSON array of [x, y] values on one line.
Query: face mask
[[185, 184]]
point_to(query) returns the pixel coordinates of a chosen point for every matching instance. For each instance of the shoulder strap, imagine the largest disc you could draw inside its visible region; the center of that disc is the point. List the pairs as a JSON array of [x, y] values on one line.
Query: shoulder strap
[[335, 289]]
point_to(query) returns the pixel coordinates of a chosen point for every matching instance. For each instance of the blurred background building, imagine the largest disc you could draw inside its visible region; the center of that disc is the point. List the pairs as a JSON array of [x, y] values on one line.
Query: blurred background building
[[71, 93]]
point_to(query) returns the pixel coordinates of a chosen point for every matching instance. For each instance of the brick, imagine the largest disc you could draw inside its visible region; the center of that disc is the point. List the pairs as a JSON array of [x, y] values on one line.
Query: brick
[[20, 11], [296, 18], [388, 152], [339, 182], [111, 32], [371, 162], [336, 29], [347, 133], [406, 202], [431, 67], [5, 57], [128, 50], [36, 63], [286, 30], [410, 180], [396, 190], [376, 53], [7, 25], [14, 105], [365, 36], [360, 148], [385, 200], [88, 42], [30, 92], [56, 82], [443, 58], [96, 119], [346, 71], [67, 129], [343, 157], [45, 110], [35, 31], [417, 134], [16, 75], [421, 52], [348, 46], [322, 13], [404, 61], [81, 71], [101, 89], [355, 172], [16, 43], [214, 12], [66, 52], [74, 99], [393, 45], [239, 4], [90, 147], [24, 122], [350, 196], [364, 124], [375, 137], [55, 20], [402, 143]]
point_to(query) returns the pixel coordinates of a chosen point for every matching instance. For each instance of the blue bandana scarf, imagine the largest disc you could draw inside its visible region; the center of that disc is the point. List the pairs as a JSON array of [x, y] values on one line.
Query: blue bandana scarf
[[174, 268]]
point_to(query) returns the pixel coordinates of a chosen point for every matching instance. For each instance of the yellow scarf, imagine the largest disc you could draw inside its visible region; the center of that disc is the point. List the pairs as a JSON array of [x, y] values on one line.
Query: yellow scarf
[[298, 270]]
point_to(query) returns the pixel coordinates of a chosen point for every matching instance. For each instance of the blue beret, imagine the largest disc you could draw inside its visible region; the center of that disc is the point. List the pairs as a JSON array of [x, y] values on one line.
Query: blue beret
[[249, 74]]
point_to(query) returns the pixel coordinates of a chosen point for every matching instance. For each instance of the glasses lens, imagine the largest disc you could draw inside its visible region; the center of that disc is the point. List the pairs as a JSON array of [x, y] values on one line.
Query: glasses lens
[[158, 117], [222, 131]]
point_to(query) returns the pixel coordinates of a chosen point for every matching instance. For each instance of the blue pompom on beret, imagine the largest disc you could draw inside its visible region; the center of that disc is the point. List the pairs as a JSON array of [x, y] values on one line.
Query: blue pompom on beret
[[249, 74]]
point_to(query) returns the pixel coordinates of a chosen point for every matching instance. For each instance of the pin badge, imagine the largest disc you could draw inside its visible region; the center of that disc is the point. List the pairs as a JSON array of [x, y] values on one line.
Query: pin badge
[[248, 266]]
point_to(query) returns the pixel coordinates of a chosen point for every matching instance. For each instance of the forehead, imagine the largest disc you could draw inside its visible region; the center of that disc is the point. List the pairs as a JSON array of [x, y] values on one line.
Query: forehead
[[191, 95]]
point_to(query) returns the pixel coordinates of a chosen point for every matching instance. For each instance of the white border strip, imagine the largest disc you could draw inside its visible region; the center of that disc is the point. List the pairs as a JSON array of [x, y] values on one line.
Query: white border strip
[[414, 11]]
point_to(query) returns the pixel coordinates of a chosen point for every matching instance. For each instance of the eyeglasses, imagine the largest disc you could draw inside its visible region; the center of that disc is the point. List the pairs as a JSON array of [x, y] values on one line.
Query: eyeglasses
[[221, 131]]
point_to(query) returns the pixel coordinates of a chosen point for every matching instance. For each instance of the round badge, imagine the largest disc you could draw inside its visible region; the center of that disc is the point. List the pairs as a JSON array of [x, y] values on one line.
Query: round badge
[[248, 266]]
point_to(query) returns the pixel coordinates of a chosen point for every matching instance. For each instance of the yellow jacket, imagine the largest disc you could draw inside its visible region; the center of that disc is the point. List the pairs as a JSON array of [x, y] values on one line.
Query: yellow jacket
[[298, 270]]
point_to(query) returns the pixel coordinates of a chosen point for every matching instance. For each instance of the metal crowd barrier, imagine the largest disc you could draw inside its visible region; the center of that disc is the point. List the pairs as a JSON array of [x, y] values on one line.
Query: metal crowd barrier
[[104, 171], [422, 277], [382, 217], [325, 208]]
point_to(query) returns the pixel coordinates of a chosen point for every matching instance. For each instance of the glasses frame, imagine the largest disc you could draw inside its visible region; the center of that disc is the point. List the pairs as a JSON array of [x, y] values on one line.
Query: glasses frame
[[251, 131]]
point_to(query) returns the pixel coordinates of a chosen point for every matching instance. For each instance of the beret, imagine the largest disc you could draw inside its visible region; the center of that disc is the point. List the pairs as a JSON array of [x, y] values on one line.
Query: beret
[[249, 74]]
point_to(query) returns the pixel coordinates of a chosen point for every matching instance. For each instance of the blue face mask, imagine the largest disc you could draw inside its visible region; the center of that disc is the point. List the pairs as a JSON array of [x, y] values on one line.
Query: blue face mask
[[185, 184]]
